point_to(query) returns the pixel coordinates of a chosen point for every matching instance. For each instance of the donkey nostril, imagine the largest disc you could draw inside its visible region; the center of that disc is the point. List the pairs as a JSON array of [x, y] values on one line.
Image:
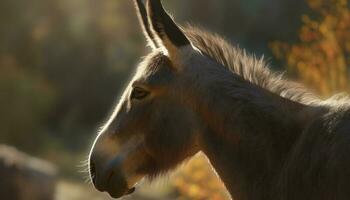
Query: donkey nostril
[[93, 172]]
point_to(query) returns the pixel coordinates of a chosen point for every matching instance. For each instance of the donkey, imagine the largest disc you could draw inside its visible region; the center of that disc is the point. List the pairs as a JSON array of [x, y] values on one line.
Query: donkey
[[267, 138]]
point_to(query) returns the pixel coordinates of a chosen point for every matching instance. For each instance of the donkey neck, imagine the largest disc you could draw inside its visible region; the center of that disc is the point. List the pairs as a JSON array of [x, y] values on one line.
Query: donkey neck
[[249, 131]]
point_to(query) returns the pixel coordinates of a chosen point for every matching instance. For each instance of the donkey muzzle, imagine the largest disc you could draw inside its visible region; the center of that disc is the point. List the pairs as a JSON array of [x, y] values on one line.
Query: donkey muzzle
[[110, 179]]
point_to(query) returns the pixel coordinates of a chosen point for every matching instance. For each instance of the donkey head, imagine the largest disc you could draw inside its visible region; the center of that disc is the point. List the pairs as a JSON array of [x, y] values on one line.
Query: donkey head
[[155, 126]]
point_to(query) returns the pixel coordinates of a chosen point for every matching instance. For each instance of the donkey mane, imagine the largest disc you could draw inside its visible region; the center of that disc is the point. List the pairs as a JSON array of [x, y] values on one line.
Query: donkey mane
[[248, 66]]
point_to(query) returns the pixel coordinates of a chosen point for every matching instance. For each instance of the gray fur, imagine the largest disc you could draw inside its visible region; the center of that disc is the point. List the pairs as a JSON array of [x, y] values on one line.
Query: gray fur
[[268, 138]]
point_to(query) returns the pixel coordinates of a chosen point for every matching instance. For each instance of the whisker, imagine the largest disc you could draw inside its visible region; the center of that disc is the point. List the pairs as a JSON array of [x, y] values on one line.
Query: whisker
[[83, 163], [86, 167], [83, 171], [87, 180], [82, 167]]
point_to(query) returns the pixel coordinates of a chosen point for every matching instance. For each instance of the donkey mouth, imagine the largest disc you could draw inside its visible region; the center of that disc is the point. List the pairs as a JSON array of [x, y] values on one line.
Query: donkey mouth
[[117, 186], [117, 193]]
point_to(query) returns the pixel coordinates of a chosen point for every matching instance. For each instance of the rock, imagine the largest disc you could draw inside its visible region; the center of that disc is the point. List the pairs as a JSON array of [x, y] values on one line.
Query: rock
[[23, 177]]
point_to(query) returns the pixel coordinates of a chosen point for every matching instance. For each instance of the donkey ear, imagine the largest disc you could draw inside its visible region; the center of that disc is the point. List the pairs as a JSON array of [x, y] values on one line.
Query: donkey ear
[[169, 35], [143, 19]]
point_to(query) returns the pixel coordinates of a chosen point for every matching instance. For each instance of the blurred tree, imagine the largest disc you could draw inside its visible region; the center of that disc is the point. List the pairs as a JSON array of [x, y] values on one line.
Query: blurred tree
[[24, 103], [322, 57], [252, 24], [62, 64]]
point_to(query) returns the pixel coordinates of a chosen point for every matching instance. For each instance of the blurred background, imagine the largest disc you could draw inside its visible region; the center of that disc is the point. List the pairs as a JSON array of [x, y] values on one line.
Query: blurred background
[[63, 64]]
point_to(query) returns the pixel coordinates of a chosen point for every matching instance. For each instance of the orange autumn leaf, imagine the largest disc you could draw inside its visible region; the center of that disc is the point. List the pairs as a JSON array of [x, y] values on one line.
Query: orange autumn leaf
[[321, 58]]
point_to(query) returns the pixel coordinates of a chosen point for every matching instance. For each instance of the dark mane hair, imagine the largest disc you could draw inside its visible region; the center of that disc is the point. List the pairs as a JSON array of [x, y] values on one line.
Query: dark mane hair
[[252, 69]]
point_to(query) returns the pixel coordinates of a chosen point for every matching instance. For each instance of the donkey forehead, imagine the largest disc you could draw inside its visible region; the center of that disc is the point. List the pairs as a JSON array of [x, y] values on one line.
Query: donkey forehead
[[156, 69]]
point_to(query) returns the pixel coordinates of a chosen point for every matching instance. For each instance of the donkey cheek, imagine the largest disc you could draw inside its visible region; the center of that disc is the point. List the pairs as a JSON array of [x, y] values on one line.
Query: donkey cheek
[[170, 144]]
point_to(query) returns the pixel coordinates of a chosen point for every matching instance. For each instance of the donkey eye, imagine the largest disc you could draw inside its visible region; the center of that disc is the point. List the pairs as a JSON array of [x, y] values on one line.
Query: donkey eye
[[139, 93]]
